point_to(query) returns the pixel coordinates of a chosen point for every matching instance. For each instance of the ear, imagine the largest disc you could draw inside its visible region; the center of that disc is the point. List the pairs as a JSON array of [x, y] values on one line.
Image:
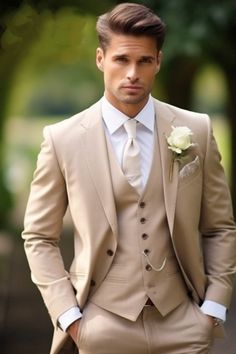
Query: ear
[[159, 60], [100, 58]]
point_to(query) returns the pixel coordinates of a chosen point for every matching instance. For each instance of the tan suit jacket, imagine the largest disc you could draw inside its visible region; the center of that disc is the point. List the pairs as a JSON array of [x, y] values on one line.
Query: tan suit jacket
[[73, 169]]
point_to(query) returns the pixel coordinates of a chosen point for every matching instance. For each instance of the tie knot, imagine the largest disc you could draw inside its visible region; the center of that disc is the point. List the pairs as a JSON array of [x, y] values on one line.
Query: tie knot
[[130, 127]]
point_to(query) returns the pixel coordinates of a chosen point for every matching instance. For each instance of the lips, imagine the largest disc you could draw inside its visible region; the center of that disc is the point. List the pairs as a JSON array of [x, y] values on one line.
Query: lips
[[132, 87]]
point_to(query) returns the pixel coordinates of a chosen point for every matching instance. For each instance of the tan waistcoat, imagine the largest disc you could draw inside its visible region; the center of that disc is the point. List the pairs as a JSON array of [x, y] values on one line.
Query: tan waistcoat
[[142, 229]]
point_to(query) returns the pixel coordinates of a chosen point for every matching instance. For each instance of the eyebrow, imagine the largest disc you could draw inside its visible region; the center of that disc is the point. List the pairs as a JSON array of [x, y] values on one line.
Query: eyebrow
[[120, 56], [149, 57], [143, 57]]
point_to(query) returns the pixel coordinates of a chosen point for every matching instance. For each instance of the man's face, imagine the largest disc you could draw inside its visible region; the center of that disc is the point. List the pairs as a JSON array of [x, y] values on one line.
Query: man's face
[[129, 65]]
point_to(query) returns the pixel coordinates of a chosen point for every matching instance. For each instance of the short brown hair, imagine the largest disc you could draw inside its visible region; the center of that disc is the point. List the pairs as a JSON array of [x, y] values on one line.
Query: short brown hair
[[130, 19]]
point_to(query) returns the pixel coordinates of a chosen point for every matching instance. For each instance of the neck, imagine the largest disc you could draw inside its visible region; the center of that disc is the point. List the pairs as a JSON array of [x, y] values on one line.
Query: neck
[[129, 109]]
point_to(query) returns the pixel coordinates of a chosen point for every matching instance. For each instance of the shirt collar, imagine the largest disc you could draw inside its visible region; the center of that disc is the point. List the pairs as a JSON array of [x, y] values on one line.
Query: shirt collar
[[114, 118]]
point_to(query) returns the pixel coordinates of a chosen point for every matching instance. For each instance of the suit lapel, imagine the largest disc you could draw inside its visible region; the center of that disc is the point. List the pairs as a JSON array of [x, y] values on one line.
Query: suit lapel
[[95, 151], [164, 120]]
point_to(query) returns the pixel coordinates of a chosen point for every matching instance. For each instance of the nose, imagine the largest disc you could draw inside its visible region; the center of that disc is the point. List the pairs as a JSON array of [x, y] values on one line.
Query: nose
[[132, 74]]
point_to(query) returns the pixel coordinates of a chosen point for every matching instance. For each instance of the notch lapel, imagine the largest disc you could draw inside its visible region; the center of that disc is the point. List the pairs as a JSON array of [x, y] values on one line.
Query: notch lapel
[[164, 120], [95, 151]]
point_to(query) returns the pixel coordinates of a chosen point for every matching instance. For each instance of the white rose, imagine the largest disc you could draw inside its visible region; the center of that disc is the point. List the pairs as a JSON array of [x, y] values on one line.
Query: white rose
[[179, 139]]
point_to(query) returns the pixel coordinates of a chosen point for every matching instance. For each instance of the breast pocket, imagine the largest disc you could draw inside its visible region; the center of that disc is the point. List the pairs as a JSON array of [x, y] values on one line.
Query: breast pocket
[[190, 172]]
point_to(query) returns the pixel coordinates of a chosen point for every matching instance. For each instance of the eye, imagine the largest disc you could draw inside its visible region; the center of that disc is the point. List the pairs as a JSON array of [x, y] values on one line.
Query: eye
[[146, 60], [121, 59]]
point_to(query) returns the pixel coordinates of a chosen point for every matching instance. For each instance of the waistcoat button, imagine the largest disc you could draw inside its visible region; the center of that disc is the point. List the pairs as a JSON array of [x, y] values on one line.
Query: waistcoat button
[[148, 267], [142, 220], [110, 253], [92, 283], [142, 205], [144, 236], [146, 251]]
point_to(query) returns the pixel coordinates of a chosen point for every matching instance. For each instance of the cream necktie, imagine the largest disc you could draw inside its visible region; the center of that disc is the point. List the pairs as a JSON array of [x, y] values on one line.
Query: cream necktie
[[131, 165]]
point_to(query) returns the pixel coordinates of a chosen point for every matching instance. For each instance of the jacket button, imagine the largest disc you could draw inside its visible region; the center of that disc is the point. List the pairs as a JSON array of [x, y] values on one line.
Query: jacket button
[[92, 283], [144, 236], [146, 251], [110, 253], [142, 205], [148, 267], [142, 220]]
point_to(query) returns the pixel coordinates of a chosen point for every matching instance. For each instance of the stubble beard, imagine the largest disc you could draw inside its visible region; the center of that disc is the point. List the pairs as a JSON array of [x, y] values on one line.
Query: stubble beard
[[132, 98]]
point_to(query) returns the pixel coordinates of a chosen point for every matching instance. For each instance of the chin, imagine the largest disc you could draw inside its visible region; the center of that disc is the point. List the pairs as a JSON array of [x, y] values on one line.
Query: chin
[[133, 100]]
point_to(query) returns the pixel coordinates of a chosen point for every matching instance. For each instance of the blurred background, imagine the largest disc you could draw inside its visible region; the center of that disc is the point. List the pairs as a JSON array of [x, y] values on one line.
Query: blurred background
[[48, 73]]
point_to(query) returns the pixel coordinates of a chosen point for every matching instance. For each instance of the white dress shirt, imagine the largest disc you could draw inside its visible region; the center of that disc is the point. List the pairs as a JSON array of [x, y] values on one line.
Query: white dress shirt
[[114, 120], [115, 131]]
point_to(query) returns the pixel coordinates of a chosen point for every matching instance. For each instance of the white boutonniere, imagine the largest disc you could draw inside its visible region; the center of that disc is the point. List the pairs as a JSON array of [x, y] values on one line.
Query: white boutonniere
[[179, 141]]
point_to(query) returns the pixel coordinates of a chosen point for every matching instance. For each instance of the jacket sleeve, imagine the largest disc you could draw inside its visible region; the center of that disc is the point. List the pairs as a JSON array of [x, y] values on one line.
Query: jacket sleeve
[[43, 222], [217, 227]]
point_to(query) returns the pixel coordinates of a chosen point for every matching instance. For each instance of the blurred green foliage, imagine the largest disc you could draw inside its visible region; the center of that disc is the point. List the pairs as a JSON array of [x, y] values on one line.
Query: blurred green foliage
[[59, 75]]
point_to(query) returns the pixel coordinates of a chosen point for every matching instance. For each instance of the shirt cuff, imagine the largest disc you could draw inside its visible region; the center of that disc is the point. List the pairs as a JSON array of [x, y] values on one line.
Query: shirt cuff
[[68, 317], [214, 309]]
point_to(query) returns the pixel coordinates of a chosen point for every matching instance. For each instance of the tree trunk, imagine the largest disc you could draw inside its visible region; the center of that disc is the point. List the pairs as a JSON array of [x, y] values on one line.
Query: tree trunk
[[179, 81], [5, 195], [231, 81]]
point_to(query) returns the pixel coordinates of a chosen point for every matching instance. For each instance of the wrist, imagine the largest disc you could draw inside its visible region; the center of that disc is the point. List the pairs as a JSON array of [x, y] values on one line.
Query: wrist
[[72, 330], [215, 321], [68, 317]]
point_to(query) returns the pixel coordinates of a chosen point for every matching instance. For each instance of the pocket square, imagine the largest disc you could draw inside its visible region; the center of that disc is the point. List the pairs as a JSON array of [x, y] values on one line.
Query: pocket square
[[190, 168]]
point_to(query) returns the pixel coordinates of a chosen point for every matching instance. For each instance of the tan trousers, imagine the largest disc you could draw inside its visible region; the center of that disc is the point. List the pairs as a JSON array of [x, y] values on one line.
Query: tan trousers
[[186, 330]]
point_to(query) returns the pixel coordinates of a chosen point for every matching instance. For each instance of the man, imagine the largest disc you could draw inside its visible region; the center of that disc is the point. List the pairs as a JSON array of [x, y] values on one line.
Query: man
[[154, 236]]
